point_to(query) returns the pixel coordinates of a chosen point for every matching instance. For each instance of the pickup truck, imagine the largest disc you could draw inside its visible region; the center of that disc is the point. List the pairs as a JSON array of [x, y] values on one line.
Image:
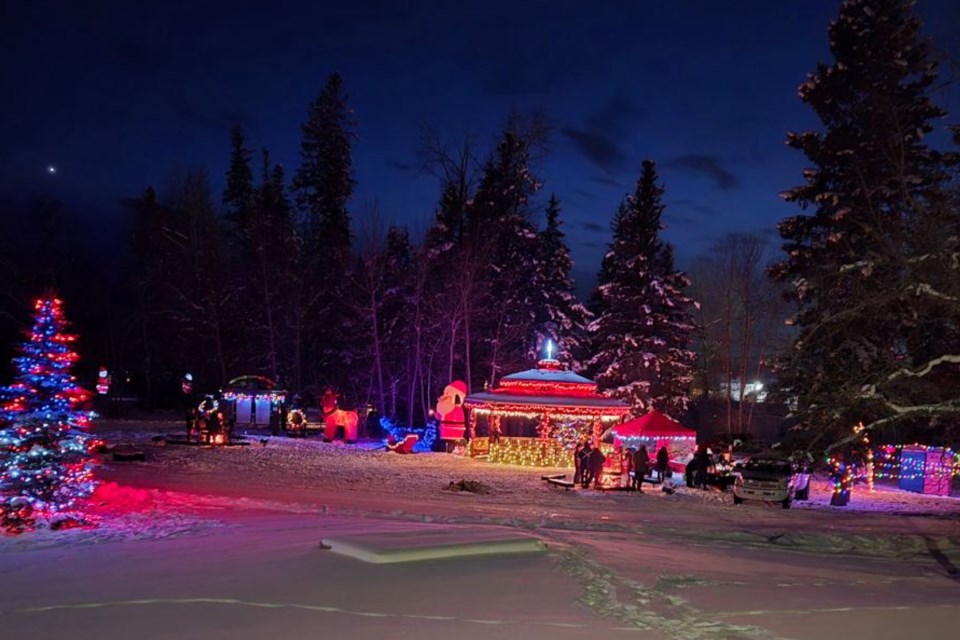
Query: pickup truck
[[771, 480]]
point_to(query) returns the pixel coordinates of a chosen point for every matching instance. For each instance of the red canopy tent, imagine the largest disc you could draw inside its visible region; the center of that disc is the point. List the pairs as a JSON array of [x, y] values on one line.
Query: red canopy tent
[[655, 426], [655, 430]]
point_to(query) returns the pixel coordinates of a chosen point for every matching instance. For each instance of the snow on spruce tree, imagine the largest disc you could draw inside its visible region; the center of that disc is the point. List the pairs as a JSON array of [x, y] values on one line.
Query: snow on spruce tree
[[874, 267], [503, 249], [560, 317], [643, 328], [45, 467]]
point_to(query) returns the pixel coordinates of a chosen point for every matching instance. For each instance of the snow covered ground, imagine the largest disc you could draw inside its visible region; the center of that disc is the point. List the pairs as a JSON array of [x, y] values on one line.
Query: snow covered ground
[[209, 543]]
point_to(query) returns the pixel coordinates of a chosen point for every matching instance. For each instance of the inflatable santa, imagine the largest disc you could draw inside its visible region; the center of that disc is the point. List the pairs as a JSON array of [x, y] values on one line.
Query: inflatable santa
[[453, 426]]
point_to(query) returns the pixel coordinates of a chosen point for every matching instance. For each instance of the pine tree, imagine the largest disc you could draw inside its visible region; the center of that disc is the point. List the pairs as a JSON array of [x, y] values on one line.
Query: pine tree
[[201, 293], [324, 182], [273, 251], [643, 328], [560, 317], [500, 237], [150, 270], [240, 195], [873, 183], [322, 186], [45, 466]]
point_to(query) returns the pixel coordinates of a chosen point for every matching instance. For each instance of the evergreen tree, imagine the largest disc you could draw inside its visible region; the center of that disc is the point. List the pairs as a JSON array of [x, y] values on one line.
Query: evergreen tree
[[501, 238], [239, 197], [324, 182], [273, 251], [151, 269], [45, 465], [323, 185], [643, 328], [856, 262], [201, 293], [560, 317]]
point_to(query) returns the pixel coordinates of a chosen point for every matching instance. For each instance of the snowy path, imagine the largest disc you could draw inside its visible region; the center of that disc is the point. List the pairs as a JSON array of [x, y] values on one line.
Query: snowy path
[[223, 544]]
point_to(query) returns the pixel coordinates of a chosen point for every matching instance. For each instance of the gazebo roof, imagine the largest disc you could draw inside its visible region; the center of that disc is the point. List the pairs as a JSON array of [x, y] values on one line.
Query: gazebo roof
[[550, 386]]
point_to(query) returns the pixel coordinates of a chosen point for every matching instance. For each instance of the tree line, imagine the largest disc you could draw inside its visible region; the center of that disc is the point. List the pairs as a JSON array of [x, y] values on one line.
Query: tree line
[[275, 275]]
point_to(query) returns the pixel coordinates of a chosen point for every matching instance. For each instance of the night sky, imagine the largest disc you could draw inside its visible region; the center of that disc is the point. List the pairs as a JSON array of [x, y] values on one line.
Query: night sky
[[118, 95]]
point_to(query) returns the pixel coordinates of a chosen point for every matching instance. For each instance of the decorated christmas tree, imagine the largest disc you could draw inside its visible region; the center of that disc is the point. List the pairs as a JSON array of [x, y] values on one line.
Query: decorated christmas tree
[[45, 466]]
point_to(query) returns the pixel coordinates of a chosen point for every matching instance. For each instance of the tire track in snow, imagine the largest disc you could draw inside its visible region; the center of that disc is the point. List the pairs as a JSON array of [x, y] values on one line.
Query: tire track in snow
[[649, 608], [306, 607]]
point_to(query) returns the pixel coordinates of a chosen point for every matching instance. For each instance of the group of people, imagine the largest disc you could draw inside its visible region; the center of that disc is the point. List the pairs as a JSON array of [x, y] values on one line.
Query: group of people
[[635, 465], [588, 464], [703, 465], [205, 421]]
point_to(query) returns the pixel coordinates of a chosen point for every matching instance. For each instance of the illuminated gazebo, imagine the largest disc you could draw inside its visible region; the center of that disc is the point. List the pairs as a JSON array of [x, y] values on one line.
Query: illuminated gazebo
[[536, 417]]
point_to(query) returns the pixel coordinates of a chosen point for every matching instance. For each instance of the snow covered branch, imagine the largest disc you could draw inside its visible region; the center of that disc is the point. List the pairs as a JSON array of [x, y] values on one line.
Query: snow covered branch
[[927, 368], [930, 291]]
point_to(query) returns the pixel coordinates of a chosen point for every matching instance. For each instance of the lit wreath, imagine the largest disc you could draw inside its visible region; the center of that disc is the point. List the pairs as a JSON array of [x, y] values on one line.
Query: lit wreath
[[296, 420]]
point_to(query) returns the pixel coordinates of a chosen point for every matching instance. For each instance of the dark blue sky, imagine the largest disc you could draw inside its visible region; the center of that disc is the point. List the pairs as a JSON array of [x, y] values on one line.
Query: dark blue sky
[[117, 95]]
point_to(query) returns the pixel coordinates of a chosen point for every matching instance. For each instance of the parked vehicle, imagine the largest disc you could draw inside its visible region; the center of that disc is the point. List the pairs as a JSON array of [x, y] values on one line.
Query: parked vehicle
[[771, 479]]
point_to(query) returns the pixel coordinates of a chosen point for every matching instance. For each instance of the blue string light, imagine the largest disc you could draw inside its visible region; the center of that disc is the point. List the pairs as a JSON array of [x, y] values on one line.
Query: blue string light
[[427, 434], [45, 466]]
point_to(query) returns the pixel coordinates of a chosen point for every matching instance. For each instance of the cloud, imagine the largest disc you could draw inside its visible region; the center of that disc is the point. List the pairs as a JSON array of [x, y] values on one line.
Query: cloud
[[598, 137], [589, 195], [598, 149], [614, 116], [607, 180], [709, 166], [595, 227]]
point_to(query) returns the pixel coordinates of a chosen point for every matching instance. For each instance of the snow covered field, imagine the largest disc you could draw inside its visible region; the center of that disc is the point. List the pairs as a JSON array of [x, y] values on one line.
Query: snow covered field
[[206, 530]]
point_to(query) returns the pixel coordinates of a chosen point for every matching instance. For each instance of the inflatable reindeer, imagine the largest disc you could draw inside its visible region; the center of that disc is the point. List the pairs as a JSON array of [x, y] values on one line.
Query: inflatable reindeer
[[334, 417]]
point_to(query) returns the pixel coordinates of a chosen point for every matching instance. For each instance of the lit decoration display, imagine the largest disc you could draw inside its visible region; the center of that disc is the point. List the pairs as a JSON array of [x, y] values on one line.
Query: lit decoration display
[[103, 382], [567, 433], [296, 422], [45, 461], [427, 434], [532, 417], [916, 467], [272, 397], [870, 471], [253, 401], [450, 411], [335, 418], [843, 473]]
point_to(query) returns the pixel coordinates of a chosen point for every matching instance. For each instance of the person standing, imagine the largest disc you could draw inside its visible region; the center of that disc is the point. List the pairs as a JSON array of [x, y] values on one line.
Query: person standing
[[596, 461], [585, 475], [578, 463], [702, 465], [626, 466], [641, 464], [663, 462]]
